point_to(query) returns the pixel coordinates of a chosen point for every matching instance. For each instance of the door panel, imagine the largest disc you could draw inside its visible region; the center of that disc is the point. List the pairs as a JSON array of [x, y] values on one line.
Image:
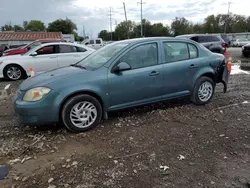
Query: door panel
[[142, 84], [44, 63], [46, 59], [135, 87], [181, 64]]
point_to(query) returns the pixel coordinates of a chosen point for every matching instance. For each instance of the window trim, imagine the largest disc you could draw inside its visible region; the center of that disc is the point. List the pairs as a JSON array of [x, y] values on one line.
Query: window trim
[[163, 52], [133, 47]]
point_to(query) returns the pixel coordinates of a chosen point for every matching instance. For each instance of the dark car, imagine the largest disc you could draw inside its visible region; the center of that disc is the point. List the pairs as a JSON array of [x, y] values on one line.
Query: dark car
[[212, 42], [3, 47], [246, 50]]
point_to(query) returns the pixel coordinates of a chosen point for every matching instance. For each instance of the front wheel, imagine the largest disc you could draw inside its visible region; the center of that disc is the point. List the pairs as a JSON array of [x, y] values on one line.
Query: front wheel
[[203, 91], [81, 113]]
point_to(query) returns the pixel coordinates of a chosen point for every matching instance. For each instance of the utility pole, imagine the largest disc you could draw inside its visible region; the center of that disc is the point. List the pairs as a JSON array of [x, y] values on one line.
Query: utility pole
[[83, 31], [228, 12], [125, 12], [110, 21], [141, 17]]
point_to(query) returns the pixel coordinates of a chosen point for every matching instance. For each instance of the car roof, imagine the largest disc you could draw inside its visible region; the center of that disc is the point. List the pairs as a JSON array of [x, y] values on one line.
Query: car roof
[[62, 43], [192, 35], [148, 39]]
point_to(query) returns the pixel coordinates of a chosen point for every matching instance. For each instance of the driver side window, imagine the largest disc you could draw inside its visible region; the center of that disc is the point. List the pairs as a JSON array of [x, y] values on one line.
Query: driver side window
[[142, 56]]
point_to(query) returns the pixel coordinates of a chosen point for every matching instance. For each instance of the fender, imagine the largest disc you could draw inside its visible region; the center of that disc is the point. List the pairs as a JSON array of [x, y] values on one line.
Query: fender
[[203, 71], [63, 95]]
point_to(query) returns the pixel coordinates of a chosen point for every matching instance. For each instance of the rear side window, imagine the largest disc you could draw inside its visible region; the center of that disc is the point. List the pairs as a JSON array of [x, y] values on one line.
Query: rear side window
[[193, 51], [67, 49], [175, 51], [91, 42], [98, 41], [203, 39], [214, 39], [79, 49]]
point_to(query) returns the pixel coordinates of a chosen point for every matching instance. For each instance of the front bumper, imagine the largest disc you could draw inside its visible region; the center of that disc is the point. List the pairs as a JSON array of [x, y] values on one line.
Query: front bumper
[[35, 113]]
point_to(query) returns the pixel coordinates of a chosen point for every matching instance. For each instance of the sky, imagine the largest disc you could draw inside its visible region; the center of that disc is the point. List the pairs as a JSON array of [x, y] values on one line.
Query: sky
[[93, 14]]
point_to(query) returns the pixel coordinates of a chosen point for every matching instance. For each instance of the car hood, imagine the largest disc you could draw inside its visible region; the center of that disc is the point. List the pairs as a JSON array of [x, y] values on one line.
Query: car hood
[[247, 45], [46, 78]]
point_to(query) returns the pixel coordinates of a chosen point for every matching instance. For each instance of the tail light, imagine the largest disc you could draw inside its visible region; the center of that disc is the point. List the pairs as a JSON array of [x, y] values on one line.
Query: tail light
[[224, 44]]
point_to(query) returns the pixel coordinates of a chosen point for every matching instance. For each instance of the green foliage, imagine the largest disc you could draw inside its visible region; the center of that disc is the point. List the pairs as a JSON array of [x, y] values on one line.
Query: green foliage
[[36, 25], [65, 26]]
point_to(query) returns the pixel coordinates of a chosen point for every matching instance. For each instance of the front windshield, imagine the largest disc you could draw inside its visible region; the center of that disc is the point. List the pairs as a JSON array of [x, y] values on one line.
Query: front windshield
[[101, 56]]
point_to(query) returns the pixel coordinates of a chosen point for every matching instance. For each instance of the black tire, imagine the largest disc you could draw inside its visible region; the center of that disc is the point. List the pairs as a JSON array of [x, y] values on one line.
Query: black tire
[[66, 110], [6, 76], [246, 54], [195, 98]]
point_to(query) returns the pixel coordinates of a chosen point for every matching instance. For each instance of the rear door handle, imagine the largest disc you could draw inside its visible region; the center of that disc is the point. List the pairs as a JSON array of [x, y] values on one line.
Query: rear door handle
[[192, 66], [154, 73]]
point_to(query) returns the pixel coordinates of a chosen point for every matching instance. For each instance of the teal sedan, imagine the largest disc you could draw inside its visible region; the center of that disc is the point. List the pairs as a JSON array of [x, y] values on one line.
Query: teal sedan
[[120, 75]]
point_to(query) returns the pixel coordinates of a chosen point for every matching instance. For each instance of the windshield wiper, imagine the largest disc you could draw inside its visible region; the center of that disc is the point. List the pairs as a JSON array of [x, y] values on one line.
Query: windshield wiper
[[79, 66]]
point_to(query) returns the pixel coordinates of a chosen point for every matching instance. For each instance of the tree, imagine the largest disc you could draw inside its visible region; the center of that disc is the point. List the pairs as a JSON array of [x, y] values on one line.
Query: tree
[[240, 24], [125, 30], [64, 26], [18, 28], [76, 36], [6, 27], [105, 35], [180, 26], [158, 29], [25, 25], [36, 25]]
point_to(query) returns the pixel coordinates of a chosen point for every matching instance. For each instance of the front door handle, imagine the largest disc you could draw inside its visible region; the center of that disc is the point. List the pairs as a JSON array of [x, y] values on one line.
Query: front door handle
[[192, 66], [154, 73]]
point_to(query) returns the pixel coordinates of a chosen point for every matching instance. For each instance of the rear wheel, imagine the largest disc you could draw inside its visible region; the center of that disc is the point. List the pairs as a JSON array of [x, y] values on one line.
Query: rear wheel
[[81, 113], [203, 91], [13, 72]]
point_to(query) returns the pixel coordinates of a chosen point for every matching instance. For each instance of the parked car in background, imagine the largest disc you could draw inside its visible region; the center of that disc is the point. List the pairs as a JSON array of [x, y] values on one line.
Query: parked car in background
[[241, 42], [42, 58], [3, 47], [246, 50], [26, 48], [94, 43], [212, 42], [121, 75], [17, 46]]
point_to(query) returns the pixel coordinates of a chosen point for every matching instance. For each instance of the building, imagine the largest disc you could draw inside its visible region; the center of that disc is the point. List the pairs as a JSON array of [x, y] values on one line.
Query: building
[[69, 37], [18, 38]]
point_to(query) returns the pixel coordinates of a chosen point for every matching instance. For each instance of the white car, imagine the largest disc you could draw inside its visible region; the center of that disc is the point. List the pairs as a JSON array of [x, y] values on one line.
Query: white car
[[41, 59], [241, 42]]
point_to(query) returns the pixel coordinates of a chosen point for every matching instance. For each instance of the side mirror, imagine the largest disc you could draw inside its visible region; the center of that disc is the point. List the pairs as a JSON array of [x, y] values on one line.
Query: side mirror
[[33, 54], [121, 67]]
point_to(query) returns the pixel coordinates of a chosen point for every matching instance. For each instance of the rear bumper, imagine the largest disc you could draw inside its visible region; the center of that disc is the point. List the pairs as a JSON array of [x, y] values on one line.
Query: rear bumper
[[223, 76]]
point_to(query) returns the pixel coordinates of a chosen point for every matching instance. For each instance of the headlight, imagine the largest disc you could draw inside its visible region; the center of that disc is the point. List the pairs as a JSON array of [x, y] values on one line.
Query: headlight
[[36, 94]]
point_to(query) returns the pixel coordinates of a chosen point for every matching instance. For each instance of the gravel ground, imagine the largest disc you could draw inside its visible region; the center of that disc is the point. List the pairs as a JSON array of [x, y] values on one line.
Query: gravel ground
[[171, 144]]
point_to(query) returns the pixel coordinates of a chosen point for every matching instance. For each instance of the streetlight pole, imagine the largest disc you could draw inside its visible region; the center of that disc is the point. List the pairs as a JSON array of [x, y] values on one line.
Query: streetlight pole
[[228, 12], [141, 17]]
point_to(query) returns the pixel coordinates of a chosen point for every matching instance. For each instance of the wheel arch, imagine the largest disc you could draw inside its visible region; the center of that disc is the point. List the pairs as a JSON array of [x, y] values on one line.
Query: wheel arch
[[86, 92]]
